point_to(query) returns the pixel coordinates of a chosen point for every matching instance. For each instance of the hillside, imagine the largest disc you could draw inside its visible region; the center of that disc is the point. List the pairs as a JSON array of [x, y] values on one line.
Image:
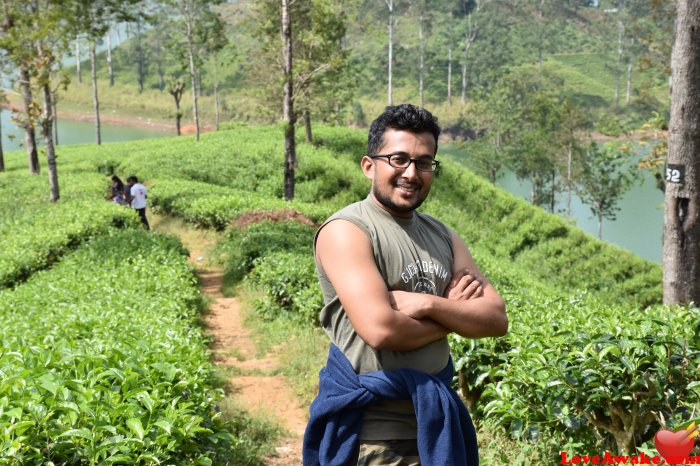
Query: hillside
[[586, 332], [579, 43]]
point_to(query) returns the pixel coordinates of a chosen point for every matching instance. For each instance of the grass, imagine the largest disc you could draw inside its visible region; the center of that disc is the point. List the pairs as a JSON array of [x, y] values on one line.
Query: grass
[[197, 241], [301, 350]]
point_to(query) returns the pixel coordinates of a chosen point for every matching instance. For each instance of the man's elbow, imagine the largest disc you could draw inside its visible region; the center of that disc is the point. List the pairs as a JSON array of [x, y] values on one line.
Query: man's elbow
[[379, 339], [501, 325], [501, 321]]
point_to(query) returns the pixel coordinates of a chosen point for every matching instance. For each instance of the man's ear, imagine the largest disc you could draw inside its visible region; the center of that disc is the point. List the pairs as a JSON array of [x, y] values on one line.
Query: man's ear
[[367, 165]]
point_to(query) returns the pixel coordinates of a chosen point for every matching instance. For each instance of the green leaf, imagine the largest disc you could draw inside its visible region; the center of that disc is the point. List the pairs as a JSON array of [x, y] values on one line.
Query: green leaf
[[136, 427], [82, 433]]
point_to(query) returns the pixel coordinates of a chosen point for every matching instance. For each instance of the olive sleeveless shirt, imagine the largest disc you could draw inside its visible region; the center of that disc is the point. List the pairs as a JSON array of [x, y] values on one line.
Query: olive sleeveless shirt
[[415, 255]]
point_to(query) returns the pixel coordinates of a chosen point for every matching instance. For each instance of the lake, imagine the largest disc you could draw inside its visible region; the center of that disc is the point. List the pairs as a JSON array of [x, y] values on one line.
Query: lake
[[76, 132], [639, 223]]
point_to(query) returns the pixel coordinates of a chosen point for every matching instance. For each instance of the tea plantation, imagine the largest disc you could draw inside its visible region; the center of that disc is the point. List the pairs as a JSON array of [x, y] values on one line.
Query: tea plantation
[[102, 360]]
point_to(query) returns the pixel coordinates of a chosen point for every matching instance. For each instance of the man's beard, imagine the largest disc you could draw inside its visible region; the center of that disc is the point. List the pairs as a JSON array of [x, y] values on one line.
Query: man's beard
[[389, 204]]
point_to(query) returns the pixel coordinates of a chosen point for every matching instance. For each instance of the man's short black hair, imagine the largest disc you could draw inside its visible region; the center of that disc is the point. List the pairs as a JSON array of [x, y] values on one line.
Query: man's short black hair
[[404, 117], [132, 178]]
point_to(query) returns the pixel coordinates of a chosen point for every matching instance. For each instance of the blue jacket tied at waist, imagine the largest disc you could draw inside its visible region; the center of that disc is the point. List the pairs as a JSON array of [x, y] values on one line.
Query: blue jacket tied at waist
[[446, 435]]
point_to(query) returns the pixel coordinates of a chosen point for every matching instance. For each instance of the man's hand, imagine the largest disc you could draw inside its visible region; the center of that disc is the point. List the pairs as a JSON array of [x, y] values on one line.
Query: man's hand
[[463, 286], [412, 304]]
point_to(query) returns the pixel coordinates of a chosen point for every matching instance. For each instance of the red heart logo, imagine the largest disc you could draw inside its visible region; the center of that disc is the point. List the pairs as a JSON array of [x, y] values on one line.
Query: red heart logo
[[674, 446]]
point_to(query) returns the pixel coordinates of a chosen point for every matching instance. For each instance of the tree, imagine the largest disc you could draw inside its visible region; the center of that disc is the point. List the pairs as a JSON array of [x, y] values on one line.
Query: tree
[[529, 117], [15, 41], [78, 59], [470, 10], [175, 88], [108, 40], [681, 247], [572, 122], [140, 56], [311, 63], [290, 158], [214, 68], [322, 83], [391, 5], [2, 154], [605, 177], [201, 29], [93, 18]]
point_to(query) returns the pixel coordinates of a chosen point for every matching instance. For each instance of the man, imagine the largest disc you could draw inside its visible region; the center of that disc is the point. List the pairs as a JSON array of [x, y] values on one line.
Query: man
[[137, 199], [395, 283]]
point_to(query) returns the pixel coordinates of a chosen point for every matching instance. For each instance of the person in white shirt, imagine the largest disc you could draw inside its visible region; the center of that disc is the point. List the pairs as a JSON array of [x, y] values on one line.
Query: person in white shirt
[[137, 198]]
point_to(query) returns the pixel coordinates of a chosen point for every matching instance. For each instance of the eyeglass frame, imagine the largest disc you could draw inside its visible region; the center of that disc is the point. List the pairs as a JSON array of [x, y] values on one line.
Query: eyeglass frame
[[434, 164]]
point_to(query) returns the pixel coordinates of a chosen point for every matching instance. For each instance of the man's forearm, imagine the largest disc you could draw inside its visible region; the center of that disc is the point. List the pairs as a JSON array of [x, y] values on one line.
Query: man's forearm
[[473, 318], [405, 333]]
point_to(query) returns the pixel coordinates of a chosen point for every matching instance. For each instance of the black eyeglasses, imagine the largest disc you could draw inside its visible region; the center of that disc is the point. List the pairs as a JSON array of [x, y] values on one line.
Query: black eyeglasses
[[404, 161]]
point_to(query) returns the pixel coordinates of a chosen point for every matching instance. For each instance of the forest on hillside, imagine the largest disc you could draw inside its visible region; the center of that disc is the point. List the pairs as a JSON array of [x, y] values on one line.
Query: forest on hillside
[[527, 85]]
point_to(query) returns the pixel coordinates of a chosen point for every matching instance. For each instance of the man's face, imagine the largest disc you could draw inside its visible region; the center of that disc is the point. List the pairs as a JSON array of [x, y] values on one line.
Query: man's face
[[401, 190]]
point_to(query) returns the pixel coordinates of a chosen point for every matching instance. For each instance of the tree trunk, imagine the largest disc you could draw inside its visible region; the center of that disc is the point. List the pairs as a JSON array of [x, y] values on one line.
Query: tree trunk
[[2, 154], [552, 199], [307, 126], [681, 248], [47, 128], [569, 157], [109, 59], [288, 104], [193, 78], [390, 92], [77, 61], [629, 82], [54, 99], [178, 117], [161, 76], [469, 37], [449, 64], [449, 76], [29, 132], [620, 33], [216, 104], [95, 99], [600, 223], [48, 141], [140, 59], [421, 64]]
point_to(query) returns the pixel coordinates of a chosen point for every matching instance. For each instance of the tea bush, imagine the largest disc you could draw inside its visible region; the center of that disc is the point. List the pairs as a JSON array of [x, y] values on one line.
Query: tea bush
[[34, 234], [103, 362], [242, 247], [291, 290]]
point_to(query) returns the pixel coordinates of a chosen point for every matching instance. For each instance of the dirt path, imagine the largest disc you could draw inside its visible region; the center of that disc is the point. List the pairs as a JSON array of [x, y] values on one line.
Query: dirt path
[[255, 387]]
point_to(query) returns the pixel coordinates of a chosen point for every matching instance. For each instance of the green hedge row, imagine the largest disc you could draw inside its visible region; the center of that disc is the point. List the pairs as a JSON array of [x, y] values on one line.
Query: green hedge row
[[103, 362], [212, 206], [34, 233]]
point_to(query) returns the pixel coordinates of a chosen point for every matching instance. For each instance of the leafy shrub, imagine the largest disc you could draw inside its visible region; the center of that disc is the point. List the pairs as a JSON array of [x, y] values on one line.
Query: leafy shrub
[[290, 287], [571, 368], [34, 233], [103, 356], [242, 247]]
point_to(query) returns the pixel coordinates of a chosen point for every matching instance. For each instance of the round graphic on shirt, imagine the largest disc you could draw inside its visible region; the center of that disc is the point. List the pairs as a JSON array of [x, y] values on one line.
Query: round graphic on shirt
[[425, 286]]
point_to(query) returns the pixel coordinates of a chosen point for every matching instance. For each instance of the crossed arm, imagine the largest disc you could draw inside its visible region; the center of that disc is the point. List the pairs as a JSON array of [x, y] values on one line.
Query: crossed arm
[[400, 320]]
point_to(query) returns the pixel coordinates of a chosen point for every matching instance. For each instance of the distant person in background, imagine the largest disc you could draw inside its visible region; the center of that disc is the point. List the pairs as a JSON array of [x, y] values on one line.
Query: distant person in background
[[395, 283], [137, 199], [117, 192]]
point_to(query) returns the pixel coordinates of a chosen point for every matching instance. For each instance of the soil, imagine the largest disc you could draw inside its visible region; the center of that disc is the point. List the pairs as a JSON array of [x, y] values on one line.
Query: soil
[[257, 392], [256, 387]]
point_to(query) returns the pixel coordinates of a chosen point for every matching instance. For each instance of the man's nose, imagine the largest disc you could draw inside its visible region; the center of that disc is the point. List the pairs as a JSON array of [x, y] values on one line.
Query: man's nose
[[411, 171]]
